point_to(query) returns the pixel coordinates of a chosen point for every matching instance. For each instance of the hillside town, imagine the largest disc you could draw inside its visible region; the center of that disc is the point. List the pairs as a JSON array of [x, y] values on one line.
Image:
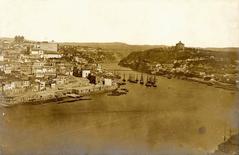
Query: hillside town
[[41, 71], [196, 64], [46, 71]]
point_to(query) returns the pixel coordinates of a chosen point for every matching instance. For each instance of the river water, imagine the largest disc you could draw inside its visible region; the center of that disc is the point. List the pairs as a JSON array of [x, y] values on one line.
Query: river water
[[177, 117]]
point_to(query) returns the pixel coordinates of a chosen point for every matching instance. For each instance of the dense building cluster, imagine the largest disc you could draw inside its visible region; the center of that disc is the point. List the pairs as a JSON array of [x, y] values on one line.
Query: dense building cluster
[[41, 66]]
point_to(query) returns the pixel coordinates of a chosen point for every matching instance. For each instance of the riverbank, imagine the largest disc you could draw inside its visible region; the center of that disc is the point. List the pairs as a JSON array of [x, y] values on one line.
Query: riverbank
[[200, 65], [56, 95], [213, 83]]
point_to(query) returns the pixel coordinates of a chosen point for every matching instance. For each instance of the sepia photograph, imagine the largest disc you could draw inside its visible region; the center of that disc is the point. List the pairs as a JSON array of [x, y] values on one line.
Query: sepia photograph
[[119, 77]]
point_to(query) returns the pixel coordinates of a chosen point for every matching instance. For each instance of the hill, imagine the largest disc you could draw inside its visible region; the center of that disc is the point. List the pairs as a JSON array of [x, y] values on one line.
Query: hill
[[7, 39], [122, 48], [190, 63], [226, 49]]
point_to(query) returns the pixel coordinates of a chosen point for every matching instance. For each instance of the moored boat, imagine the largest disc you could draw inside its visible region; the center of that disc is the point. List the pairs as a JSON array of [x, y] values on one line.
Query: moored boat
[[141, 79], [169, 76], [124, 79], [151, 82], [73, 95], [136, 80], [148, 83], [117, 92], [154, 82], [132, 79], [124, 89]]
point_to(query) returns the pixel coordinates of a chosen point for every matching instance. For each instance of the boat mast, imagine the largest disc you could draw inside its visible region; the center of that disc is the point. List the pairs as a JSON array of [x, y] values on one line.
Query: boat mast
[[141, 78]]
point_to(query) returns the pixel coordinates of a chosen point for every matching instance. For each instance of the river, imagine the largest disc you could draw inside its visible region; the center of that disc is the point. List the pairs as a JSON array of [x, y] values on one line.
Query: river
[[178, 116]]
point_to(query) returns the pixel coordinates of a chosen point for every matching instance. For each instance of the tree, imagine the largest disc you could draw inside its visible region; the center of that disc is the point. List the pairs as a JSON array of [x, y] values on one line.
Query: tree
[[19, 39]]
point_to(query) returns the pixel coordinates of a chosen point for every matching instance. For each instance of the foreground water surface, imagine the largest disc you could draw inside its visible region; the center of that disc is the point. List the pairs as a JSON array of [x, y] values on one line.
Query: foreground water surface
[[177, 116]]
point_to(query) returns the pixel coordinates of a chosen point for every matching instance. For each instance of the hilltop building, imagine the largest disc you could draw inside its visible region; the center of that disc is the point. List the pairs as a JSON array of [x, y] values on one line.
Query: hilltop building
[[179, 46]]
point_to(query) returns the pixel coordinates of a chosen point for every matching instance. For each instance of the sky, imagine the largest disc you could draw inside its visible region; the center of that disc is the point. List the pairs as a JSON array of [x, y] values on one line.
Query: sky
[[198, 23]]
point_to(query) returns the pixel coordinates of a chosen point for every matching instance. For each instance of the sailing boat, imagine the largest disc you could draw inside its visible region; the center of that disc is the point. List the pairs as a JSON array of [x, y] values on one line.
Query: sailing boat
[[117, 75], [148, 83], [136, 80], [132, 79], [129, 79], [141, 79], [154, 82], [124, 78]]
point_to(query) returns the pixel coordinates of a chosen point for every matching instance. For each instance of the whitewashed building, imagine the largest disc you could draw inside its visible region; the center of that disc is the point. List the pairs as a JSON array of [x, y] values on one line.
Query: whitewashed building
[[26, 83], [108, 82], [7, 69], [1, 58], [85, 73], [53, 85], [9, 86], [42, 85], [39, 72], [38, 52], [51, 54]]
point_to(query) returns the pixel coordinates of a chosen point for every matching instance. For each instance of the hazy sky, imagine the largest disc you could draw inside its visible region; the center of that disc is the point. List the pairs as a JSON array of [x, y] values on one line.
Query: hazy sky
[[194, 22]]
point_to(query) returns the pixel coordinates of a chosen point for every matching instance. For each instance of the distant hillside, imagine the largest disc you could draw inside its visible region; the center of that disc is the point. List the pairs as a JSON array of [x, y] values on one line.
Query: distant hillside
[[114, 45], [169, 54], [202, 64], [227, 49], [122, 48], [7, 39], [125, 49]]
